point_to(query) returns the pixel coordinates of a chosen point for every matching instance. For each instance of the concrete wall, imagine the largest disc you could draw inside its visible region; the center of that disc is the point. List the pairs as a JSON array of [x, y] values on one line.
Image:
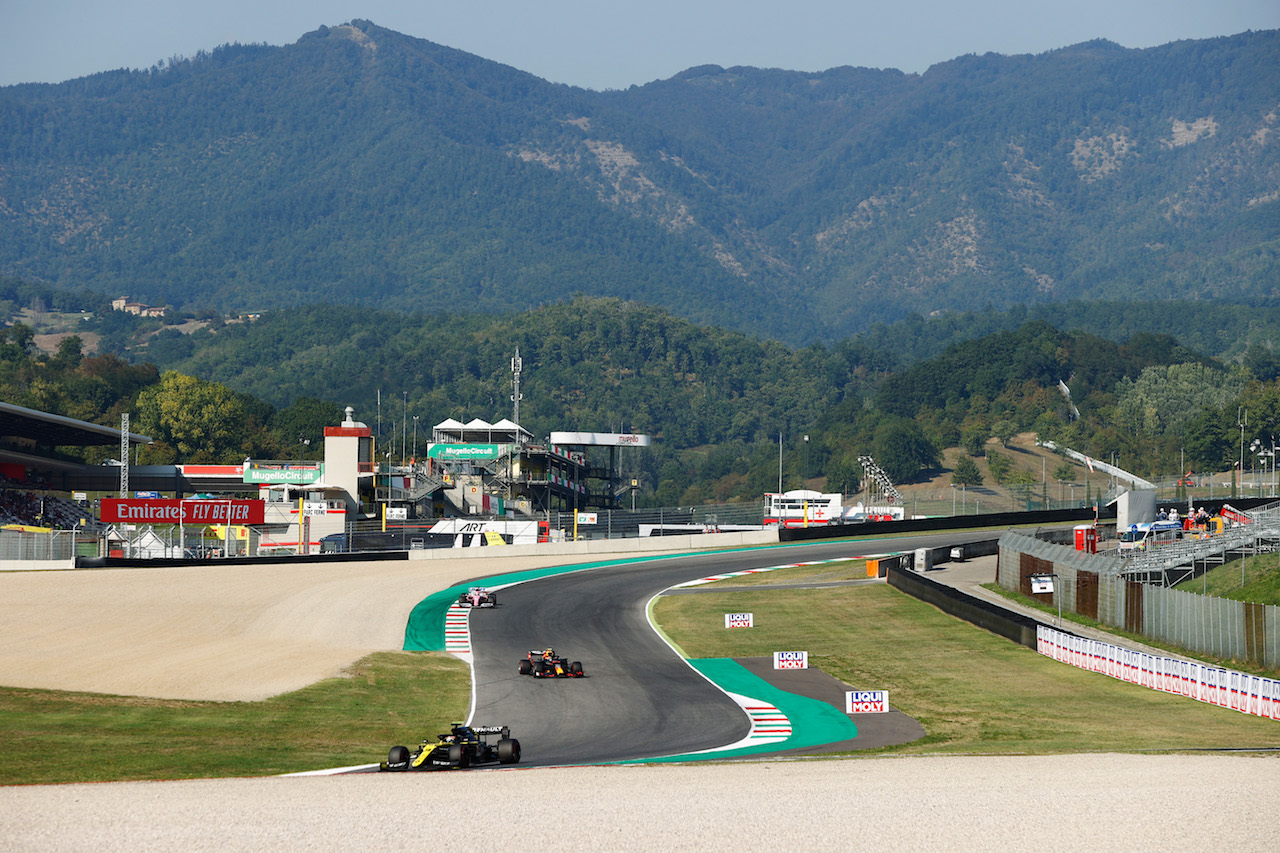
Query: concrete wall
[[607, 547]]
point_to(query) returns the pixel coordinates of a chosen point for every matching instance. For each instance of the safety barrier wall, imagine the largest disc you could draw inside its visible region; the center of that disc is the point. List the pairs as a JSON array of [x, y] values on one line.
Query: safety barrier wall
[[925, 525], [1007, 623], [1089, 585], [584, 549], [1226, 688]]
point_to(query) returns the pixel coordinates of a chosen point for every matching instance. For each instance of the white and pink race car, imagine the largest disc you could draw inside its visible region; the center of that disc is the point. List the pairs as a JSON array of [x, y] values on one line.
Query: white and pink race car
[[478, 596]]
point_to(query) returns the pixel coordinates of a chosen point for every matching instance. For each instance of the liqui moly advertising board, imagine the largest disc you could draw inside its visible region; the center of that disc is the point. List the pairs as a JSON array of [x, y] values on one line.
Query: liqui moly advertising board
[[739, 620], [790, 660], [866, 702], [168, 511]]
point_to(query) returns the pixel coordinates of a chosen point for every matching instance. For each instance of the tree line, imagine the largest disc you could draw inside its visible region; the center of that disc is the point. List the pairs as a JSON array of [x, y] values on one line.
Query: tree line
[[719, 404]]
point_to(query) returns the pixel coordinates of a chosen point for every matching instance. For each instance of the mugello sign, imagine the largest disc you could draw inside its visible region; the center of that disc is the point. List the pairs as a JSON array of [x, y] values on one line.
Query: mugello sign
[[790, 660], [866, 702], [169, 511], [738, 620]]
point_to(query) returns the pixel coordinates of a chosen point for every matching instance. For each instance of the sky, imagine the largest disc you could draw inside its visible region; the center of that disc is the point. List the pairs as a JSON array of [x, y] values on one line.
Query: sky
[[611, 44]]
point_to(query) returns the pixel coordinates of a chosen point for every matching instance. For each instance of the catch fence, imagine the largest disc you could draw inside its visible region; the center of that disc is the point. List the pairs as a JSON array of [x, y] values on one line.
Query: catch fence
[[1106, 588]]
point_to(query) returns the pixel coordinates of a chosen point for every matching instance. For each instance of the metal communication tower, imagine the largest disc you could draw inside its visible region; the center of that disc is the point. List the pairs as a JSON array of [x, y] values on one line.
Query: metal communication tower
[[516, 366], [124, 455]]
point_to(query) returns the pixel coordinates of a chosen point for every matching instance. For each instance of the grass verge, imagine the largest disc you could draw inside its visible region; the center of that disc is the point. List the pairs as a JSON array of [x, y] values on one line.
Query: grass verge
[[1255, 579], [973, 692], [387, 698], [828, 570]]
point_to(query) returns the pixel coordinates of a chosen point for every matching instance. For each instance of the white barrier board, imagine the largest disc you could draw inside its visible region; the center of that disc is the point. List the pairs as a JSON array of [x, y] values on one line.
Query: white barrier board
[[790, 660], [866, 702]]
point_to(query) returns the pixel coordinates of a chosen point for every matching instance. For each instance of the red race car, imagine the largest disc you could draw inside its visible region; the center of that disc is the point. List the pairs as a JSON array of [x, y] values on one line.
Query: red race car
[[545, 663]]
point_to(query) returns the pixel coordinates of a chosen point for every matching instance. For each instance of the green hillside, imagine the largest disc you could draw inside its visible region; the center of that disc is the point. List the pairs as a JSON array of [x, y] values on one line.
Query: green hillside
[[360, 166]]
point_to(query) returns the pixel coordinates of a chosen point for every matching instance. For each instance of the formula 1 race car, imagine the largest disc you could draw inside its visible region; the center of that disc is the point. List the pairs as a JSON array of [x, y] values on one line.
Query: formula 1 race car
[[545, 663], [478, 596], [464, 746]]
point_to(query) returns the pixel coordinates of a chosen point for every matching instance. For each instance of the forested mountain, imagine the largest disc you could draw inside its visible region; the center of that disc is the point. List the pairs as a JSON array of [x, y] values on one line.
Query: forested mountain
[[717, 402], [360, 166]]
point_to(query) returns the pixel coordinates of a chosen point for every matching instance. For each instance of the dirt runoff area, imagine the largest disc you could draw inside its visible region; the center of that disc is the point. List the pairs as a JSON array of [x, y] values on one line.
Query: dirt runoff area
[[1068, 802], [220, 632]]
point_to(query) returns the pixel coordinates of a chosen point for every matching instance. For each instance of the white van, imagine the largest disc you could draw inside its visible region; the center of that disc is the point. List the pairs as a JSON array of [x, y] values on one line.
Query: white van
[[1140, 537]]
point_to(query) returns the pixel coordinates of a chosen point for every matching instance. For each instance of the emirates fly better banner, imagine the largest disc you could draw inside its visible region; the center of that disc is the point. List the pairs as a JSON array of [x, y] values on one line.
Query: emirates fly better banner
[[169, 511]]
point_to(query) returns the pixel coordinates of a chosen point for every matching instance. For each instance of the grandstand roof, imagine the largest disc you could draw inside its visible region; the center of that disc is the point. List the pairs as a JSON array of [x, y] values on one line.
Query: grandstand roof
[[19, 425]]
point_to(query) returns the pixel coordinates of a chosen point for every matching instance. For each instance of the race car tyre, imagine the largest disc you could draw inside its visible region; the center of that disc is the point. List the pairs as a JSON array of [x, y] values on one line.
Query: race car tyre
[[508, 751], [526, 667], [458, 755], [398, 755], [540, 669], [575, 668], [493, 599]]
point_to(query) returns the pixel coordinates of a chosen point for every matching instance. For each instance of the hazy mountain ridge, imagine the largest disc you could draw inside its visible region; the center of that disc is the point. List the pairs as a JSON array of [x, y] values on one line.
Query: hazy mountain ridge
[[362, 166]]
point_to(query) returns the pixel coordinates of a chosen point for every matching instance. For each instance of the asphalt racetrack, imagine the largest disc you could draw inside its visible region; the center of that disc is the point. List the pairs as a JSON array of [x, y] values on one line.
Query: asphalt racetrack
[[639, 699], [242, 633]]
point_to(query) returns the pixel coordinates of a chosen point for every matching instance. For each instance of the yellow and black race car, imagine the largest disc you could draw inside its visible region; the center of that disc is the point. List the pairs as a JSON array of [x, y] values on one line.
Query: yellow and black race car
[[545, 663], [464, 746]]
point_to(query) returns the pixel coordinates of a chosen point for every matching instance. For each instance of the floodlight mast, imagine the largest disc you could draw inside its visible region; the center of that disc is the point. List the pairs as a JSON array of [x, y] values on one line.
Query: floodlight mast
[[878, 478]]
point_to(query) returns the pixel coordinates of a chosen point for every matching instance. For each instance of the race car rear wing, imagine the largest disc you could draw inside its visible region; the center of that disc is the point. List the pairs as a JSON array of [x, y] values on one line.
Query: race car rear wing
[[505, 731]]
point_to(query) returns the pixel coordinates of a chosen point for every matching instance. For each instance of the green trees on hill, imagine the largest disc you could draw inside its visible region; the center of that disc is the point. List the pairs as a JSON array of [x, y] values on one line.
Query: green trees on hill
[[362, 166], [966, 473], [718, 403]]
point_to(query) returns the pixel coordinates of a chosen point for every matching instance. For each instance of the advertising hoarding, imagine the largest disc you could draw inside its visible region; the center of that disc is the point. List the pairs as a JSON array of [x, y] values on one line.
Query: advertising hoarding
[[866, 702], [739, 620], [447, 452], [790, 660], [169, 511], [300, 474]]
